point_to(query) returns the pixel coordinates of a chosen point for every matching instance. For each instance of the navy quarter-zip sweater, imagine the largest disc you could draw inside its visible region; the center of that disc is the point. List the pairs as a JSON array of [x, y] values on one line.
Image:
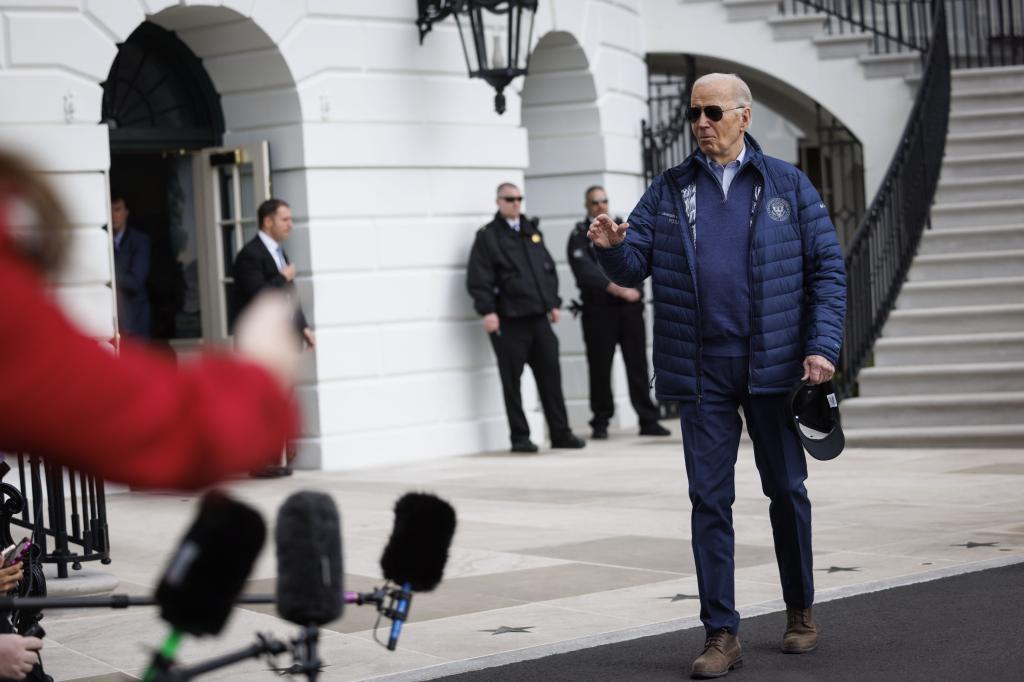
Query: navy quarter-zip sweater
[[723, 262]]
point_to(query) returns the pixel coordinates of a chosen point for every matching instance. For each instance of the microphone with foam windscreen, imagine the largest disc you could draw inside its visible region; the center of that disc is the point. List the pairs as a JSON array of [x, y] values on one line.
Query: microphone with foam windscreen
[[309, 564], [309, 570], [417, 551], [208, 571]]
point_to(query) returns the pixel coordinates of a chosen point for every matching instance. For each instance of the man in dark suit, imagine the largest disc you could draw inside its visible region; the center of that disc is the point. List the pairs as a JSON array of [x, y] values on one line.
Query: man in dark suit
[[263, 263], [131, 268]]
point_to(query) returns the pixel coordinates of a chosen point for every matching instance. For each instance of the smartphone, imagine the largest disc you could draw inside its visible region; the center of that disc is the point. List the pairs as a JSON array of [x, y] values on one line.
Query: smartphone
[[16, 552]]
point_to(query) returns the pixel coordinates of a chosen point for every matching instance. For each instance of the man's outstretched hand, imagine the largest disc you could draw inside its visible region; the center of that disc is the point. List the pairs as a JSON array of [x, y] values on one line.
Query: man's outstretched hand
[[605, 233]]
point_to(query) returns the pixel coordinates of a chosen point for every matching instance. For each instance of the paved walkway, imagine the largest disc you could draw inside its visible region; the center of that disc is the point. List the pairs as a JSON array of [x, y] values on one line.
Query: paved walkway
[[566, 549]]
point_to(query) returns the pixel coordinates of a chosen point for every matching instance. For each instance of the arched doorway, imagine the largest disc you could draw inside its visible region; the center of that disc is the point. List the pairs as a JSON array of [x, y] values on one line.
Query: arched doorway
[[160, 108], [192, 196]]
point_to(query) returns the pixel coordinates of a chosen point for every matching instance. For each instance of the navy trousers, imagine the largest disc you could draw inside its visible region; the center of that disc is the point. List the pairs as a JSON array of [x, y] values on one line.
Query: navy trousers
[[711, 435]]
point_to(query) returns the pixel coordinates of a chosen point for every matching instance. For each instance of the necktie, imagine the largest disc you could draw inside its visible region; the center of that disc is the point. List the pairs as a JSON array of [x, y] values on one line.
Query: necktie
[[280, 258]]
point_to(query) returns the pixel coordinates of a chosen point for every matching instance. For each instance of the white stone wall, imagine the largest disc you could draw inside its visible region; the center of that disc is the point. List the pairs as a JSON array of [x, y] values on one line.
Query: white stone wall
[[389, 156]]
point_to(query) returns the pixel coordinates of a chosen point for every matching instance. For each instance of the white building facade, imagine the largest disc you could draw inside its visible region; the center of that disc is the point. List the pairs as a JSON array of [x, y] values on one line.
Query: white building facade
[[389, 156]]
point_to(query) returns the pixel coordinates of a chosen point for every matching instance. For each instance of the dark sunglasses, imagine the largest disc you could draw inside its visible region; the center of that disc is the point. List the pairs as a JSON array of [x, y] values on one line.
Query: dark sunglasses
[[595, 202], [511, 200], [713, 112]]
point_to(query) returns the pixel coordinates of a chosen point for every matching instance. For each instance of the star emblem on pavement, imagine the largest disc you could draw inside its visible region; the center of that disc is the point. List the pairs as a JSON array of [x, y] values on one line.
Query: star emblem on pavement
[[970, 544], [681, 597], [502, 629], [839, 569]]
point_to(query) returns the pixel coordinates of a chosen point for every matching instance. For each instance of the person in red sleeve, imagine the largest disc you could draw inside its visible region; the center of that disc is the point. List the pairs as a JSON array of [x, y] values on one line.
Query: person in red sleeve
[[135, 418]]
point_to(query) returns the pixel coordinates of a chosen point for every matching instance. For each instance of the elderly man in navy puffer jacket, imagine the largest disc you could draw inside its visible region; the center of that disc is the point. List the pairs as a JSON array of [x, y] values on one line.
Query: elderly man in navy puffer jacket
[[749, 298]]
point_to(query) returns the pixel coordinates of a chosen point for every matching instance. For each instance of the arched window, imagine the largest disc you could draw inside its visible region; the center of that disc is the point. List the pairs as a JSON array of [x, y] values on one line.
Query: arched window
[[158, 96]]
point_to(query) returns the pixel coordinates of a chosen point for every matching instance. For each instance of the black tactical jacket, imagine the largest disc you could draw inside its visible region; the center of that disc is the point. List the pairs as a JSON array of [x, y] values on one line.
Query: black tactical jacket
[[511, 273]]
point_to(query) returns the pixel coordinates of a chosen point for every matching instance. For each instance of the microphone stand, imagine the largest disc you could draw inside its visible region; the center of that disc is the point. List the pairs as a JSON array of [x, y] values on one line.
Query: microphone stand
[[265, 645]]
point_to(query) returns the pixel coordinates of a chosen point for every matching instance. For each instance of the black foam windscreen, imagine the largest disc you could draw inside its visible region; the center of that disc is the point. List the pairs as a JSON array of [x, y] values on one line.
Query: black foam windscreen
[[309, 567], [418, 548], [212, 562]]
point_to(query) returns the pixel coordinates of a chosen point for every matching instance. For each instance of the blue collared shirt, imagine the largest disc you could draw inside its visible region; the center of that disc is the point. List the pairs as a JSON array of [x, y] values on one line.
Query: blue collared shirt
[[726, 173], [275, 249]]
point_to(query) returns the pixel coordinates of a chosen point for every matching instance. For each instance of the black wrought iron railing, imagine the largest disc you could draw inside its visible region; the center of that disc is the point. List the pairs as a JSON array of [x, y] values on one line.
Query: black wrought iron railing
[[884, 244], [980, 33], [64, 511], [666, 135]]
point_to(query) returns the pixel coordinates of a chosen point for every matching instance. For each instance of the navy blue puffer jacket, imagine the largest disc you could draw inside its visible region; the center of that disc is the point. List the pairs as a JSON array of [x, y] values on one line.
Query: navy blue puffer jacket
[[796, 277]]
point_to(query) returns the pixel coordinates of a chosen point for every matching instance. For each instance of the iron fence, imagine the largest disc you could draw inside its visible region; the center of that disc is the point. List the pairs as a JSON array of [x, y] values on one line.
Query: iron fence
[[60, 508], [666, 134], [884, 244]]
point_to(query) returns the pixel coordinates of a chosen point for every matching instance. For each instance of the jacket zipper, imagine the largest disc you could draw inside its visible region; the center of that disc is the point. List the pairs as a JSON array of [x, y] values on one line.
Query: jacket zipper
[[533, 271]]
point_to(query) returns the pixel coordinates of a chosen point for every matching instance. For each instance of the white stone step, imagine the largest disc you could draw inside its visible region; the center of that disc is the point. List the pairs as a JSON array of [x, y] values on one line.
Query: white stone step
[[987, 120], [970, 239], [895, 65], [963, 101], [960, 437], [797, 26], [943, 410], [951, 348], [977, 214], [992, 79], [981, 189], [947, 266], [750, 10], [875, 382], [843, 46], [987, 142], [950, 319], [961, 292], [982, 166]]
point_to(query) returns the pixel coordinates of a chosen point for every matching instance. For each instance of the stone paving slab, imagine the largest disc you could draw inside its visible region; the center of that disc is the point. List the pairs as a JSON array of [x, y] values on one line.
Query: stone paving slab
[[560, 546]]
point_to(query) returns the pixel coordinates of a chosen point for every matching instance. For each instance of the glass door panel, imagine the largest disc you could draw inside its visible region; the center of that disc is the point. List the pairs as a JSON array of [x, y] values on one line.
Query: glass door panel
[[233, 182]]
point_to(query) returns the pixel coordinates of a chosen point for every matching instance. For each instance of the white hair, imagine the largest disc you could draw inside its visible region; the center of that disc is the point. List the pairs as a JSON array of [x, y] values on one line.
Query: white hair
[[740, 89]]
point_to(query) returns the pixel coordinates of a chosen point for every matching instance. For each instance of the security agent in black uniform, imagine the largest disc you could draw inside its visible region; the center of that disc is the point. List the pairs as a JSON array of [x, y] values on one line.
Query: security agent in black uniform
[[612, 315], [514, 286]]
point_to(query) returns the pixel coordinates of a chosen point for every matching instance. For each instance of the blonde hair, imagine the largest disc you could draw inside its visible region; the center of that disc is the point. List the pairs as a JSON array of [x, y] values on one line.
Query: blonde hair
[[43, 236]]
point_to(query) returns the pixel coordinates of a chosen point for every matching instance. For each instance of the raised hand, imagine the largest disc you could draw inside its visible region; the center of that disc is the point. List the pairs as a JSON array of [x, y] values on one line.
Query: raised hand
[[265, 335], [605, 233]]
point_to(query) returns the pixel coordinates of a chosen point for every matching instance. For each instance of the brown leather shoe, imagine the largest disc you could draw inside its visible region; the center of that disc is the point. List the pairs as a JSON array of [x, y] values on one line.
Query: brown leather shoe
[[801, 632], [721, 654]]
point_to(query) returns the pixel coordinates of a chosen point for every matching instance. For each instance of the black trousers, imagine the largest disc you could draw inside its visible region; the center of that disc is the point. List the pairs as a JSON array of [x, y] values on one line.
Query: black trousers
[[604, 327], [530, 341]]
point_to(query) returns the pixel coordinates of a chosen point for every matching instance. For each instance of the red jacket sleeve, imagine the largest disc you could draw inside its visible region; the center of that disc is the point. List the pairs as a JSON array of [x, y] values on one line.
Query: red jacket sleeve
[[136, 418]]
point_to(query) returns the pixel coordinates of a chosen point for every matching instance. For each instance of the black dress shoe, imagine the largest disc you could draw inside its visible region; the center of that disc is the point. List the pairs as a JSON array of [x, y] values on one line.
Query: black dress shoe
[[569, 442], [272, 472], [524, 446], [599, 433], [654, 429]]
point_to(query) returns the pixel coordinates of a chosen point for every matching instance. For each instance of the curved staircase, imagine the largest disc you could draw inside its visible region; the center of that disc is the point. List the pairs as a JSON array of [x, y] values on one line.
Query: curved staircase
[[949, 367]]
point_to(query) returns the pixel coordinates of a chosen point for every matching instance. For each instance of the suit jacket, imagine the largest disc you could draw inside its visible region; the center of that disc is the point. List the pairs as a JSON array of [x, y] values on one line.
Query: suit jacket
[[254, 270], [131, 269]]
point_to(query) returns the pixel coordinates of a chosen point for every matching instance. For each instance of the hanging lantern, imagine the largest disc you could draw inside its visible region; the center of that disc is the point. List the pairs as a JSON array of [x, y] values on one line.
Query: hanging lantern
[[495, 37]]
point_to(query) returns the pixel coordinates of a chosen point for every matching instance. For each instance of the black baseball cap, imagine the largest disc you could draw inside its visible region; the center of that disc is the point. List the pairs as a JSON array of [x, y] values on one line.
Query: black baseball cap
[[815, 412]]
